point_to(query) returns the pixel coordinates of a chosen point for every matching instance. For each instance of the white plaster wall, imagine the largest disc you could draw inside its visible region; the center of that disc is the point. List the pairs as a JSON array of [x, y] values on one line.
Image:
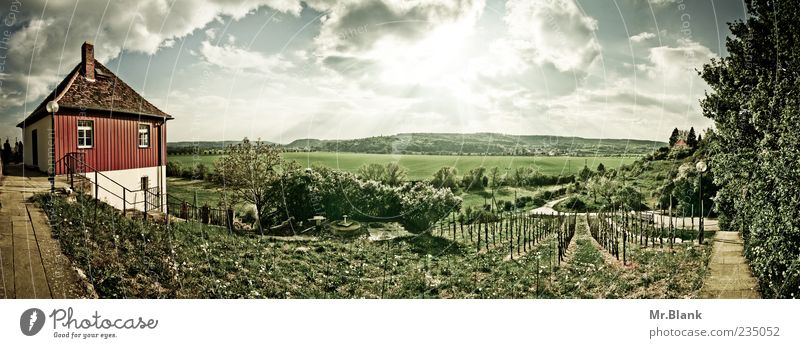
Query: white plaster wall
[[111, 192], [43, 133]]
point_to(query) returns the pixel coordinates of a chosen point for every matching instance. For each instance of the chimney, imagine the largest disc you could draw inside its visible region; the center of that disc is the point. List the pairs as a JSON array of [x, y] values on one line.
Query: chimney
[[87, 60]]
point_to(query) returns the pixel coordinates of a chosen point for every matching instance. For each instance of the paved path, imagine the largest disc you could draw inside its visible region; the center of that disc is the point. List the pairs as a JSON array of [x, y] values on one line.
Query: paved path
[[677, 222], [729, 274], [547, 208], [31, 262]]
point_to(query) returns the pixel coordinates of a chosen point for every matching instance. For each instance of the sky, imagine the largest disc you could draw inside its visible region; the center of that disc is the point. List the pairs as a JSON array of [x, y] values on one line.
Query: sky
[[281, 70]]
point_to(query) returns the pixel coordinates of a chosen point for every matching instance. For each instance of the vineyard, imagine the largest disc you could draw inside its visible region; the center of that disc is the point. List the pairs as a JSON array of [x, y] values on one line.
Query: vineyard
[[515, 255], [617, 230]]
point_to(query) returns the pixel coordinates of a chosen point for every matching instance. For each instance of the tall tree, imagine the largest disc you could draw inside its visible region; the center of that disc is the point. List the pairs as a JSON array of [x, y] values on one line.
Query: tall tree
[[691, 139], [673, 138], [755, 104], [250, 173]]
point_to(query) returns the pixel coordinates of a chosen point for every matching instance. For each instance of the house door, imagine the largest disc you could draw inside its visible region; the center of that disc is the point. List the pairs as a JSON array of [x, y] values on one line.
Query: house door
[[35, 147]]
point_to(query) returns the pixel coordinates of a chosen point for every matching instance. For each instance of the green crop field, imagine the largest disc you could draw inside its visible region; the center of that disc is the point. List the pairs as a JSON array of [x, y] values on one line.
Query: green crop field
[[423, 166]]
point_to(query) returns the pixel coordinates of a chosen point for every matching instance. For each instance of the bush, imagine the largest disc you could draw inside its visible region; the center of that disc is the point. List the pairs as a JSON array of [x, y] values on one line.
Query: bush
[[174, 169], [200, 171], [249, 216], [573, 203]]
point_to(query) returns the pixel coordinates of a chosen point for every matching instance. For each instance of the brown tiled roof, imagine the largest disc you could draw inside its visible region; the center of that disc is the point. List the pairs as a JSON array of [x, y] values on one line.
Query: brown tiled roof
[[106, 93]]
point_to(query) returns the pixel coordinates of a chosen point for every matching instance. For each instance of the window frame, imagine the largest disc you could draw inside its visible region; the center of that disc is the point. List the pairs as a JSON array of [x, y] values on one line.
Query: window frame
[[84, 128], [139, 135]]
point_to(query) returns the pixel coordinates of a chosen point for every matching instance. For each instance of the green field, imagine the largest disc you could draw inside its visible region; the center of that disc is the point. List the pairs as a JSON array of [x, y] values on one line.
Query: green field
[[423, 166]]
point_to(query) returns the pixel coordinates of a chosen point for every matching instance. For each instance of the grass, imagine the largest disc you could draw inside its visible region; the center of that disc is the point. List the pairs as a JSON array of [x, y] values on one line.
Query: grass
[[422, 167], [124, 258], [185, 189], [479, 198]]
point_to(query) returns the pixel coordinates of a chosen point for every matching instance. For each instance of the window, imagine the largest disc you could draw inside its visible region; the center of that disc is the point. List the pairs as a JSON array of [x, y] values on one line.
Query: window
[[85, 134], [144, 135]]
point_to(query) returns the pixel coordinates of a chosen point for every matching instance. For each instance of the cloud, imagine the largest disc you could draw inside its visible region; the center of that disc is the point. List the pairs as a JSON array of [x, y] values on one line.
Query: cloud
[[644, 36], [231, 58], [47, 44], [353, 27], [554, 31], [678, 60]]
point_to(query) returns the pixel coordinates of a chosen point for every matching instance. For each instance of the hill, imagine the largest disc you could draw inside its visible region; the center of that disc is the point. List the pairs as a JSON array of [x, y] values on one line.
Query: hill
[[480, 143], [454, 143]]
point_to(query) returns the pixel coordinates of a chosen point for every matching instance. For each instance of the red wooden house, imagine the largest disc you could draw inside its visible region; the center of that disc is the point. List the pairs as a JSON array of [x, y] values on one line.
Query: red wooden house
[[101, 126]]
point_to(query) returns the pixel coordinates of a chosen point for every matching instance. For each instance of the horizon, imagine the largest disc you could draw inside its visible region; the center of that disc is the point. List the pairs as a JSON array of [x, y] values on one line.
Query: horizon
[[349, 70], [426, 133]]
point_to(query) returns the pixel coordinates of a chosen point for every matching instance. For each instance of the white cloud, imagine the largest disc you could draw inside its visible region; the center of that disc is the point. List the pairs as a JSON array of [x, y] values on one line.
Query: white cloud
[[231, 58], [553, 31], [644, 36], [354, 27], [48, 45], [669, 62]]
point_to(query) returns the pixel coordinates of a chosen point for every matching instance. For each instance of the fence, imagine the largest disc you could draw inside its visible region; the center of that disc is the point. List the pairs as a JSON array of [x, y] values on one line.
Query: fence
[[85, 179], [518, 232], [204, 214], [615, 230]]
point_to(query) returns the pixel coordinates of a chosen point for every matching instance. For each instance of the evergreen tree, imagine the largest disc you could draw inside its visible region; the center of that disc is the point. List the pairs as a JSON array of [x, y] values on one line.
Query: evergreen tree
[[691, 139], [674, 137], [601, 169]]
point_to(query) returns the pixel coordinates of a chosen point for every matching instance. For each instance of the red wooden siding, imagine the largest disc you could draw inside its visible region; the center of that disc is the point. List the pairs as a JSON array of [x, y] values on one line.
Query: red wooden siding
[[116, 142]]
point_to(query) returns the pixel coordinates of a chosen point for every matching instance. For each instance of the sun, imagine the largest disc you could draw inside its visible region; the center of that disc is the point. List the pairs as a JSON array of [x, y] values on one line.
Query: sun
[[439, 59]]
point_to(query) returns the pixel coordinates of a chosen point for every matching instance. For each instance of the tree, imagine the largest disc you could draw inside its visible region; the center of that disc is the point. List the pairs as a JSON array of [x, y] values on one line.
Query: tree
[[691, 139], [601, 169], [674, 137], [755, 104], [585, 173], [372, 171], [628, 197], [250, 174], [603, 187], [6, 154], [395, 174], [494, 177], [473, 180], [445, 177], [522, 174]]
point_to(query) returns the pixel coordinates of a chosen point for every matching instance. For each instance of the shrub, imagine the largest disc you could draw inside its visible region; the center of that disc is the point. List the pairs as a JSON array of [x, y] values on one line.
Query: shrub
[[573, 203], [249, 216], [174, 169]]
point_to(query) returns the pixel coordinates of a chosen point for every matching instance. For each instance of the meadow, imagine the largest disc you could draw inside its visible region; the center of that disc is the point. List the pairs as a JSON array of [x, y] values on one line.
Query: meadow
[[422, 167]]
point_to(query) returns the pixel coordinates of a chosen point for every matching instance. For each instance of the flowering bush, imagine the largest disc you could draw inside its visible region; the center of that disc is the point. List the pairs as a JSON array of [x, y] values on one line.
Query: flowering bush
[[423, 204]]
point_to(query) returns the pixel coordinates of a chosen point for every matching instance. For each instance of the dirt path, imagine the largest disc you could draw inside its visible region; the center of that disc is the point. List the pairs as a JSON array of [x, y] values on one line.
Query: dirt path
[[31, 262], [729, 274]]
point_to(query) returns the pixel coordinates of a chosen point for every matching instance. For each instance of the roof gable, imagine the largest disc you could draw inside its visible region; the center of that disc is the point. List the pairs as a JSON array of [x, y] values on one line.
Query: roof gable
[[106, 93]]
